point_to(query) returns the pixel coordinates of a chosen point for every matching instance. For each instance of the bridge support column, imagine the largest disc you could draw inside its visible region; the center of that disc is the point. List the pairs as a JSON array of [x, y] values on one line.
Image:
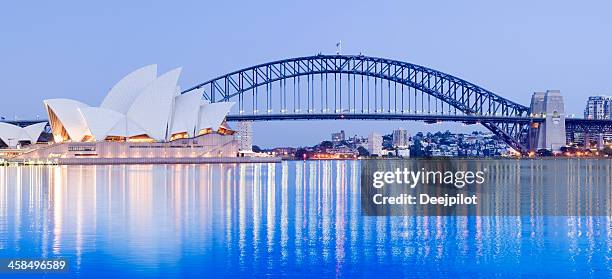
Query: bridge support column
[[549, 134]]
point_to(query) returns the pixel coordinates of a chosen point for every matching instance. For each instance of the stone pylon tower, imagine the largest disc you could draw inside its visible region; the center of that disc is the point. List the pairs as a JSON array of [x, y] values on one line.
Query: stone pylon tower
[[549, 134]]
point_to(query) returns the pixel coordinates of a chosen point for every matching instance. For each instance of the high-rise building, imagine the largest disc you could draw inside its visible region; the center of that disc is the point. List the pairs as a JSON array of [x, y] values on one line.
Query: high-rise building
[[375, 144], [400, 139], [598, 107], [338, 137], [245, 135]]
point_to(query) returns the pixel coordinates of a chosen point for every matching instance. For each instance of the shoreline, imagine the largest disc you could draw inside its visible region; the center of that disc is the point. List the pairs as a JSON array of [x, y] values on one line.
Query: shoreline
[[144, 161], [243, 160]]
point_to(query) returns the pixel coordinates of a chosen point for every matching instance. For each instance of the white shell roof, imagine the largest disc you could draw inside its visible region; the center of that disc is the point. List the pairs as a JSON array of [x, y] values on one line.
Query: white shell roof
[[70, 116], [212, 115], [138, 104], [33, 131], [185, 114], [126, 128], [100, 121], [123, 94], [153, 106], [11, 134]]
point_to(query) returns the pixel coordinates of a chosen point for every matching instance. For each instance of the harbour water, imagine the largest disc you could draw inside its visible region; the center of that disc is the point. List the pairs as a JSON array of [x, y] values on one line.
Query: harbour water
[[289, 219]]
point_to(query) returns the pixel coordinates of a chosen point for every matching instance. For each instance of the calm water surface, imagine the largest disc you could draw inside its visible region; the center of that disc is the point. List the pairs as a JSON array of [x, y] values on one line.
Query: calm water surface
[[291, 219]]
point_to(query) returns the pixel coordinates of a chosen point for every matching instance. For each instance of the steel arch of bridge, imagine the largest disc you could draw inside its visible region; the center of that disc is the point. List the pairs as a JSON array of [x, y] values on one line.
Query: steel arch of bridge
[[461, 97]]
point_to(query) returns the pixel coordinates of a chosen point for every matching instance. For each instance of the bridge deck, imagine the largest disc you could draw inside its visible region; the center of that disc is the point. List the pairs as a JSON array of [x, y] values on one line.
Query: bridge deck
[[381, 116]]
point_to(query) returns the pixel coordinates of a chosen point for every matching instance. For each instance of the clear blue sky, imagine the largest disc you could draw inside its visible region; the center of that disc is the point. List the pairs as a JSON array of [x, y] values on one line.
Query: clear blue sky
[[78, 49]]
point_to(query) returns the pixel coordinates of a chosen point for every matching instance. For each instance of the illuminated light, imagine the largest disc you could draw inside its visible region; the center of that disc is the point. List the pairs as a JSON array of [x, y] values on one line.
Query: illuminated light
[[225, 131], [88, 138], [177, 136], [141, 138], [205, 131], [114, 138]]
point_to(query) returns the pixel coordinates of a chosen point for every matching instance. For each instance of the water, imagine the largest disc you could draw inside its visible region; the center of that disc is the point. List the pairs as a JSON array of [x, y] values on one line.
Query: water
[[292, 219]]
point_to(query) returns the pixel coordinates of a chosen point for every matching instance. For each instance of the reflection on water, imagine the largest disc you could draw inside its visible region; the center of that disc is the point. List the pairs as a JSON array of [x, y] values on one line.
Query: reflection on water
[[508, 188], [287, 219]]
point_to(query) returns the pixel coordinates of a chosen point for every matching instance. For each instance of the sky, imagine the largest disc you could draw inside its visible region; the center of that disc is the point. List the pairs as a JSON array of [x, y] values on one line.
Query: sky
[[79, 49]]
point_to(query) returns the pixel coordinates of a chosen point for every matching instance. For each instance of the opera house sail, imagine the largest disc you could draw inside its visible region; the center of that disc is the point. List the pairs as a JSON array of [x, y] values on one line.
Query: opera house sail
[[12, 136], [143, 118]]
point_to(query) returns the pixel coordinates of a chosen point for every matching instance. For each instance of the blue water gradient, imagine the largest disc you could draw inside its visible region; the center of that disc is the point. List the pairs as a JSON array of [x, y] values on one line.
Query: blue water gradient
[[291, 219]]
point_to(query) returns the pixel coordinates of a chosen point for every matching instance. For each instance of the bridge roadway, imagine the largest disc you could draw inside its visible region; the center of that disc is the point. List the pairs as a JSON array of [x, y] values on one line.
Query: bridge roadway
[[428, 118], [593, 126], [601, 125]]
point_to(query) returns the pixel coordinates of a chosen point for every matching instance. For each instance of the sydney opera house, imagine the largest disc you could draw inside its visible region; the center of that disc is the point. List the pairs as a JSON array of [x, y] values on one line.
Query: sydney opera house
[[143, 117]]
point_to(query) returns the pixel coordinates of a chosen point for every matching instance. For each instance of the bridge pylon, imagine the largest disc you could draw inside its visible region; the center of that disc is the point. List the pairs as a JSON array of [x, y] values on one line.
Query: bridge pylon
[[549, 134]]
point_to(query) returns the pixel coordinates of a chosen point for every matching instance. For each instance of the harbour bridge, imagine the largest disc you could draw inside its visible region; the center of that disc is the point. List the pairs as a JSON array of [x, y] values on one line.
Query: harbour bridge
[[357, 87]]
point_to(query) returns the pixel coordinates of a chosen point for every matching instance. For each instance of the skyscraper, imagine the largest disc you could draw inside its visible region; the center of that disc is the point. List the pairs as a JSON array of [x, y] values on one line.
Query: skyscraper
[[400, 138], [598, 107], [375, 142], [338, 137]]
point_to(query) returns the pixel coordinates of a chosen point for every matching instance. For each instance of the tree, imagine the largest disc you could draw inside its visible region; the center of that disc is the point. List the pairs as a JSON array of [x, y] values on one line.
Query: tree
[[545, 153], [416, 150], [326, 144], [301, 154], [362, 151], [256, 148]]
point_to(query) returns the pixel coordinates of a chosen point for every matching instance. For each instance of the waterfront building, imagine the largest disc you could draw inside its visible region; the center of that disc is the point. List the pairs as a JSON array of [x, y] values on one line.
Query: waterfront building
[[598, 107], [340, 152], [245, 136], [403, 152], [375, 144], [284, 152], [338, 137], [140, 107], [142, 116], [401, 138]]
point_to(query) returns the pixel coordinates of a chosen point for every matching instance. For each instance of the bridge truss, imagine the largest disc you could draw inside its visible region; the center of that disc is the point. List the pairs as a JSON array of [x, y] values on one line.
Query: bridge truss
[[362, 87]]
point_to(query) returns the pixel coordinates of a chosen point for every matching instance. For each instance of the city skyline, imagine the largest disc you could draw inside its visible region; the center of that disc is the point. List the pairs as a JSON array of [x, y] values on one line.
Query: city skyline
[[526, 50]]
